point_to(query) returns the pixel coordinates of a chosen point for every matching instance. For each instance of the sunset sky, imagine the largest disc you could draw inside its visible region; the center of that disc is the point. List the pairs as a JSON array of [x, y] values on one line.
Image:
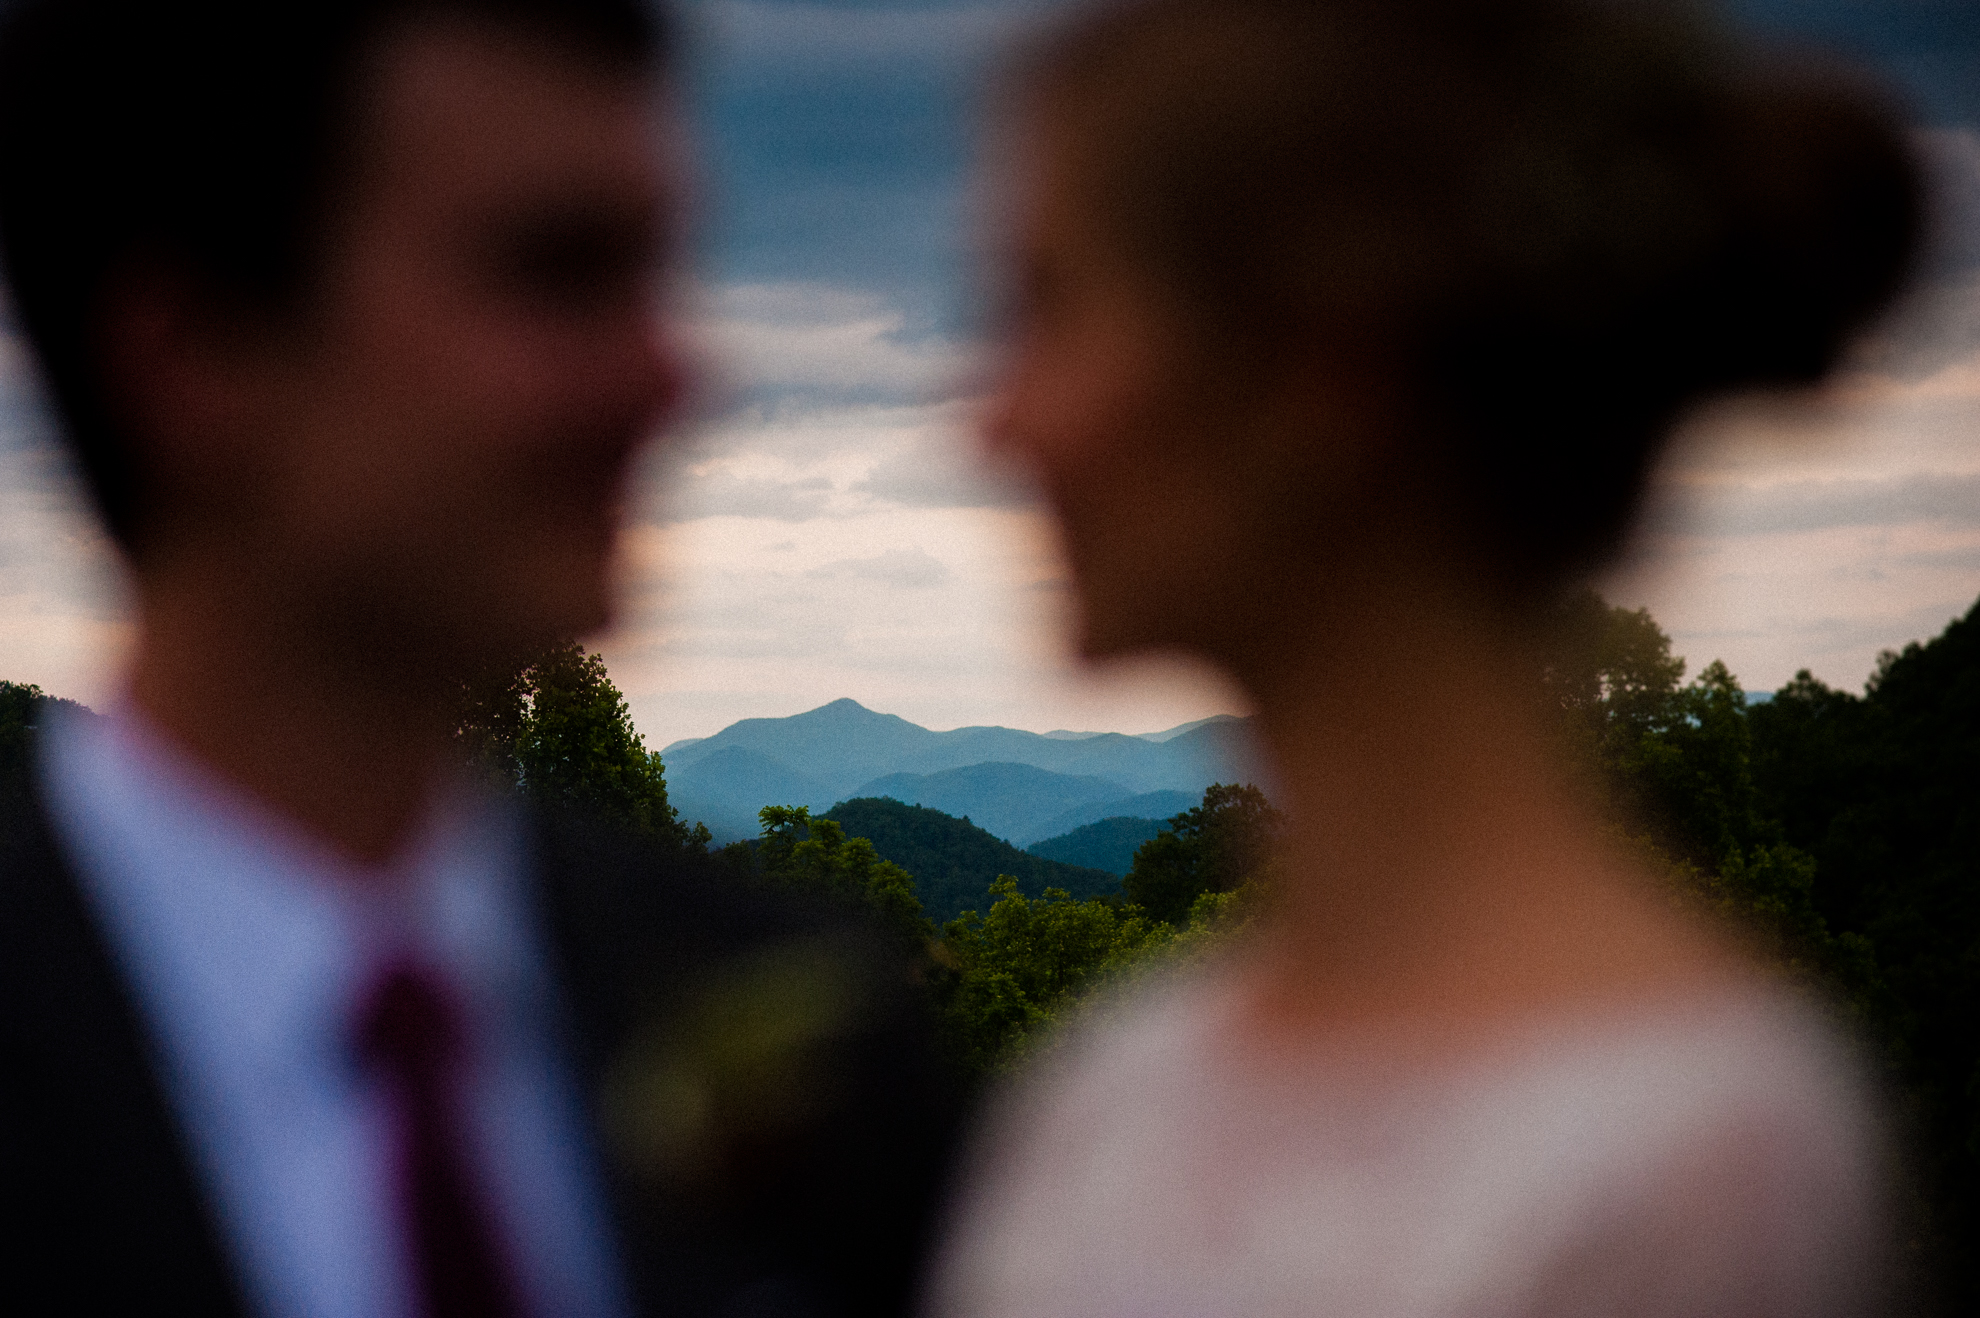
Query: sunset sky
[[823, 531]]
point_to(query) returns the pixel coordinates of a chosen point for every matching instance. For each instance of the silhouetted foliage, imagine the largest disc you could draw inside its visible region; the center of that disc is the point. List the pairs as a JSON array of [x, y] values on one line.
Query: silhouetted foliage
[[1673, 759], [1212, 847], [1883, 792], [1843, 830], [1673, 764], [558, 730], [23, 707], [18, 712], [814, 855]]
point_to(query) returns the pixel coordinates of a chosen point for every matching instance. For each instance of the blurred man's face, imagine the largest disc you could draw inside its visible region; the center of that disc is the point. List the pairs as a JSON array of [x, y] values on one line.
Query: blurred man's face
[[439, 455]]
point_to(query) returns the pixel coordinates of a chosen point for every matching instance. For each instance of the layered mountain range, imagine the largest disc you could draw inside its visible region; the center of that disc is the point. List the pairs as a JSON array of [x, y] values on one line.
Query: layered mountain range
[[1020, 786]]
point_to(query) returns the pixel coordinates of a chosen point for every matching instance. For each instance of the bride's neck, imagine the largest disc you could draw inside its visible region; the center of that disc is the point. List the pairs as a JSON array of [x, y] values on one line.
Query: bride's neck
[[1437, 858], [1405, 738]]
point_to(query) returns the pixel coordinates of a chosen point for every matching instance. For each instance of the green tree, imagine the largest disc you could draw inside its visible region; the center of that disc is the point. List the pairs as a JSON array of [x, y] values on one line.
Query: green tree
[[1881, 790], [1611, 673], [1664, 758], [1667, 759], [813, 854], [20, 709], [997, 977], [1015, 967], [1212, 847], [1673, 764], [1811, 756], [1689, 773], [1028, 963], [558, 730], [1023, 964]]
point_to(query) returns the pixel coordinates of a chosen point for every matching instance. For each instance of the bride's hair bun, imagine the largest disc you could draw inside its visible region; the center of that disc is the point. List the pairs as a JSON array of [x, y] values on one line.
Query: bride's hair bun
[[1822, 208], [1578, 216]]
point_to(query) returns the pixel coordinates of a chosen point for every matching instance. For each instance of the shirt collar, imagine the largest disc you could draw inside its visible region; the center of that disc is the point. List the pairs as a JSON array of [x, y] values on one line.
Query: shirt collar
[[269, 935]]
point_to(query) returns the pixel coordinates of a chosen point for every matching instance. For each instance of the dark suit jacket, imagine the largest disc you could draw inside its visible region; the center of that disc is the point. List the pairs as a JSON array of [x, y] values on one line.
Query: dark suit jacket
[[771, 1120]]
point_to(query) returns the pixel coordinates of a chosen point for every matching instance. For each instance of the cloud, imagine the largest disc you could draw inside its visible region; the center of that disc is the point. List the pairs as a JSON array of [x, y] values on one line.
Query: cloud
[[794, 342], [721, 493], [1795, 506], [1966, 558], [827, 405], [905, 569], [838, 138], [1951, 157], [1928, 49], [63, 610], [783, 638], [48, 532], [940, 472], [1811, 638], [798, 458], [1936, 322]]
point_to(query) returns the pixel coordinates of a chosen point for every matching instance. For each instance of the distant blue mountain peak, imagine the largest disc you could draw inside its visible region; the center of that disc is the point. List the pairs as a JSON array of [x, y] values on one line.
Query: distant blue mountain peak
[[844, 705], [1008, 780]]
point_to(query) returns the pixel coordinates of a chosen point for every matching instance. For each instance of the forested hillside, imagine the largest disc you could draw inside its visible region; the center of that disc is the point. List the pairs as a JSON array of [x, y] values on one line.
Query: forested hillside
[[1001, 972], [1105, 844], [953, 861]]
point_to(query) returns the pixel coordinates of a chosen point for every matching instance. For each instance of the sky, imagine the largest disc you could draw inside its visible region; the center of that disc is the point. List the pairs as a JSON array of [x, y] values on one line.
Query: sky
[[823, 530]]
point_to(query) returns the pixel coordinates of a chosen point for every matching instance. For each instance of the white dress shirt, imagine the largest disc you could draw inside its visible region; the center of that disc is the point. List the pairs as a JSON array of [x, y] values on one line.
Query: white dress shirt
[[250, 946]]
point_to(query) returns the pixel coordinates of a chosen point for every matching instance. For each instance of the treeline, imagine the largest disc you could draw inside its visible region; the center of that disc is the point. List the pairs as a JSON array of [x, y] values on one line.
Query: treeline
[[558, 731], [998, 974], [1842, 831], [23, 706]]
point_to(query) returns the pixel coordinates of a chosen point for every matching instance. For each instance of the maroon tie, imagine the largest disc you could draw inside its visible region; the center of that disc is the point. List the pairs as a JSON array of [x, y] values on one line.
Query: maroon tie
[[410, 1034]]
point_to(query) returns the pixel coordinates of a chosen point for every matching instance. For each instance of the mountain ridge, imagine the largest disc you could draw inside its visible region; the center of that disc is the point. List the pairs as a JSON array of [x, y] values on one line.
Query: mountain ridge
[[1105, 844], [953, 861], [839, 750], [1003, 798]]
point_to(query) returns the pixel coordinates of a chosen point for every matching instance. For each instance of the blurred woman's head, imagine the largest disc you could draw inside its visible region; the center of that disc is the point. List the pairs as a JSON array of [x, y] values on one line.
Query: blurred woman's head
[[1306, 285]]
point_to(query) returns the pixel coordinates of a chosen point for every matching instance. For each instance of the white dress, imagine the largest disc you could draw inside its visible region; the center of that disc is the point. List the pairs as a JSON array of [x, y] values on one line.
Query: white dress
[[1715, 1159]]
